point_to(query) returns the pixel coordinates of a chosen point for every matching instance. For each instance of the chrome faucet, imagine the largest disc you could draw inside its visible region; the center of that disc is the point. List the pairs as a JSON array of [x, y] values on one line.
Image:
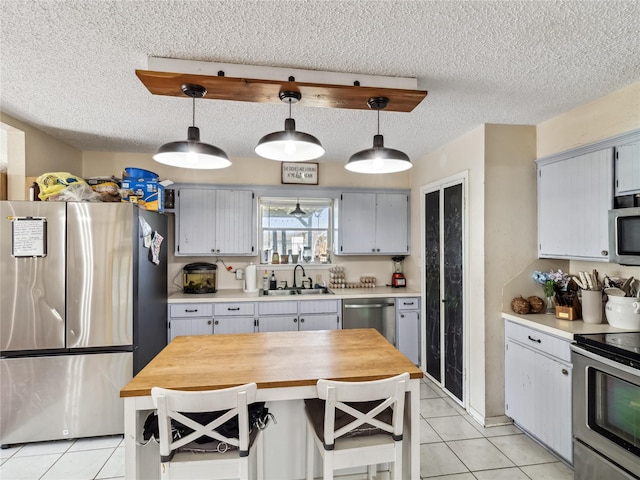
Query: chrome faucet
[[294, 275]]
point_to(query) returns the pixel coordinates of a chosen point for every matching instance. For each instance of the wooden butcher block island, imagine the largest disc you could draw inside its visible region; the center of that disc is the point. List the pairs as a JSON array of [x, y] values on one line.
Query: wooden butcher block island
[[286, 367]]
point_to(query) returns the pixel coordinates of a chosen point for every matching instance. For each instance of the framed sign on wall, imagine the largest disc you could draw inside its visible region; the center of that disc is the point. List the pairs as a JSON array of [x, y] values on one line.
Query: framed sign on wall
[[306, 173]]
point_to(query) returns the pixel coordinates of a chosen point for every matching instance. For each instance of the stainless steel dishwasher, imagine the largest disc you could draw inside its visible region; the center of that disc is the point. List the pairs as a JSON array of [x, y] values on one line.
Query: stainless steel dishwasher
[[378, 313]]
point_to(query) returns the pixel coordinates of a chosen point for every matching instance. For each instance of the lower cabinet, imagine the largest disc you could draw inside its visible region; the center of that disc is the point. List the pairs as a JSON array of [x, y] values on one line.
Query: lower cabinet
[[298, 315], [190, 326], [237, 317], [319, 322], [233, 325], [249, 317], [277, 316], [190, 319], [538, 386], [277, 323], [319, 315], [408, 327]]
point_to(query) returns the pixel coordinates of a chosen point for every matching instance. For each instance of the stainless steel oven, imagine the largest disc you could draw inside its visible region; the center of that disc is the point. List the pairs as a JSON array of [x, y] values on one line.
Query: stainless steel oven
[[606, 406]]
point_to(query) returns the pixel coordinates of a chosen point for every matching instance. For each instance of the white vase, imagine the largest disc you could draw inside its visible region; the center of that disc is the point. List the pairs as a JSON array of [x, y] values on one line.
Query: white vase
[[592, 306]]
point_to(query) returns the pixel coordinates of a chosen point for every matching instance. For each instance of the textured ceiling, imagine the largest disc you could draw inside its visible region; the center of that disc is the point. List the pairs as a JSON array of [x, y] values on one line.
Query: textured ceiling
[[67, 67]]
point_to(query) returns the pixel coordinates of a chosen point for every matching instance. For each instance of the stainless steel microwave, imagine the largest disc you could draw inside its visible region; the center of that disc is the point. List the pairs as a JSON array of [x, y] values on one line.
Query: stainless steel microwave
[[624, 236]]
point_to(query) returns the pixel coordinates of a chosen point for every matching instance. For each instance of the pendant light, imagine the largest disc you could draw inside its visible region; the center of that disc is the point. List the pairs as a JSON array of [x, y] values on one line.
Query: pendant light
[[298, 212], [378, 159], [289, 144], [192, 153]]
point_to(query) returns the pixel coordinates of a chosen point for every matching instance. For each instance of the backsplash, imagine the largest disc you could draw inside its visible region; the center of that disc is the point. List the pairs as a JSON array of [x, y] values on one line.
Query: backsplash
[[354, 267]]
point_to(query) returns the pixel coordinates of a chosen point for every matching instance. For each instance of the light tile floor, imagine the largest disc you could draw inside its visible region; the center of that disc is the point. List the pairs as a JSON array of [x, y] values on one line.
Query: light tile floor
[[453, 447]]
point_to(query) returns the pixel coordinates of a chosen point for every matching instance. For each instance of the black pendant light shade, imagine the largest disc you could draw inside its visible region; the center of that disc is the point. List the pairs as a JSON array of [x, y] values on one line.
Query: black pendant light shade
[[298, 212], [378, 159], [289, 144], [192, 153]]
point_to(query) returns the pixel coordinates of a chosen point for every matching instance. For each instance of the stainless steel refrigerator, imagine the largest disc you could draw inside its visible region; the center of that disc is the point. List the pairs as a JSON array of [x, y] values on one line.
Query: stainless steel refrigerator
[[83, 308]]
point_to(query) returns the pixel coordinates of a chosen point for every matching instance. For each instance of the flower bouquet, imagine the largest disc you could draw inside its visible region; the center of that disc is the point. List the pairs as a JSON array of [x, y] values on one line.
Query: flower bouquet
[[550, 282]]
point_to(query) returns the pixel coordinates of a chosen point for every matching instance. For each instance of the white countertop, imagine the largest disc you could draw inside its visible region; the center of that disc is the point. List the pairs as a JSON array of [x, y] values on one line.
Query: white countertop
[[240, 296], [560, 328]]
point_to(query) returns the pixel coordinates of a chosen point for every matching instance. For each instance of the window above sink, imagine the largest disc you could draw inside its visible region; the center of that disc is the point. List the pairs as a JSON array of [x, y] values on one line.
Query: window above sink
[[305, 232]]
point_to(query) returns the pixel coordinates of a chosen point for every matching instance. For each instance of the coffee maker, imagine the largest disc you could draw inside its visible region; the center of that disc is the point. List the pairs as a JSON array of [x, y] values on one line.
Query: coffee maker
[[397, 279]]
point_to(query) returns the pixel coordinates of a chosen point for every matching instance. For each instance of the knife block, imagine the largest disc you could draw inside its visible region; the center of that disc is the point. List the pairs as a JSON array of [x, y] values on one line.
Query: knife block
[[574, 312], [567, 313]]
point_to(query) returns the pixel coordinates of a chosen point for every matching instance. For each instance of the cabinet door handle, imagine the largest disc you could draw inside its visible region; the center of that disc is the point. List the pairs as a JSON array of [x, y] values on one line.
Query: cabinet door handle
[[402, 316], [534, 339], [295, 320], [209, 322], [190, 311], [302, 320], [604, 253], [233, 309], [565, 371], [407, 303], [215, 323]]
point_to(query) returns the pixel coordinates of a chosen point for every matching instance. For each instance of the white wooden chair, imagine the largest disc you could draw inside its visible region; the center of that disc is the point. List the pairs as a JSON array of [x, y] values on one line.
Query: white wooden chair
[[356, 424], [184, 459]]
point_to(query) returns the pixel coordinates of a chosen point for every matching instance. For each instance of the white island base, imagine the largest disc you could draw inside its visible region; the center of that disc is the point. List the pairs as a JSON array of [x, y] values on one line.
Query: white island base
[[284, 441]]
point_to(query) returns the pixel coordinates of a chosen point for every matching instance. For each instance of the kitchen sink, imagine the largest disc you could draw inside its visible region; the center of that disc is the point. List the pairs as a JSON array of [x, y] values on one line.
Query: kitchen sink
[[298, 291]]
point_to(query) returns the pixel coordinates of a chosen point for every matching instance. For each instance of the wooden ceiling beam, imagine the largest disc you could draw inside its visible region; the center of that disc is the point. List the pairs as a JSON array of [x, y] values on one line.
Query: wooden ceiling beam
[[267, 91]]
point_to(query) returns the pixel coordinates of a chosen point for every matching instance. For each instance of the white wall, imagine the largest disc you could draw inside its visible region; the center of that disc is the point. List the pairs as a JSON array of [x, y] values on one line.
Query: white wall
[[502, 210], [501, 199], [40, 153], [501, 202], [611, 115], [15, 164], [35, 152], [510, 240], [463, 154], [252, 171], [605, 117]]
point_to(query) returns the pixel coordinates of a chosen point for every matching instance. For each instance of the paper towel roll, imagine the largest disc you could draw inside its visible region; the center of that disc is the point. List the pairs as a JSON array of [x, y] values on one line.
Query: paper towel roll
[[250, 279]]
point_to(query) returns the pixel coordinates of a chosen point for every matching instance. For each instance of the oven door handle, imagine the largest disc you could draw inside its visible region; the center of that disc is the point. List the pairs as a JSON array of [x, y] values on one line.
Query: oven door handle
[[604, 360]]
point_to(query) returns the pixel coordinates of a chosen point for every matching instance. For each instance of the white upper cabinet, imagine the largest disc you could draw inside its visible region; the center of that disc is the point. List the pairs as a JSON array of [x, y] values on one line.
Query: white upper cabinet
[[215, 222], [373, 224], [627, 169], [574, 196]]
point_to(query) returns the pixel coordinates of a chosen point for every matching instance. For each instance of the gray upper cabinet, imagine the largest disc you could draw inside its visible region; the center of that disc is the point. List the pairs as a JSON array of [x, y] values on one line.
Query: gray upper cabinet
[[628, 169], [215, 222], [373, 224], [574, 196]]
